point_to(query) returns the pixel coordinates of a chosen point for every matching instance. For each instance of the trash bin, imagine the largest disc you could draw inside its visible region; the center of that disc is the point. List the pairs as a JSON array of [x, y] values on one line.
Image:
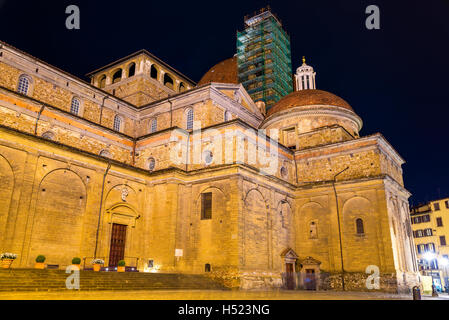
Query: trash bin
[[416, 293]]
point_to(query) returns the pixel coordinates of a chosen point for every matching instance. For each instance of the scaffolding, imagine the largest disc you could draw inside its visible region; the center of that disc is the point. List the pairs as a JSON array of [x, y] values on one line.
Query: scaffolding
[[264, 58]]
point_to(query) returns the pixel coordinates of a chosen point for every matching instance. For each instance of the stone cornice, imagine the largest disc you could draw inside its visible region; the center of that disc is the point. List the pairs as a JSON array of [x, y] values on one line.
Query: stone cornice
[[200, 94], [14, 52], [369, 141], [326, 110]]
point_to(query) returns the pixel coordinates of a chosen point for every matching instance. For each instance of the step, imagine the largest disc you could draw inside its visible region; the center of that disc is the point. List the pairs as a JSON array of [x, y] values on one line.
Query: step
[[54, 280]]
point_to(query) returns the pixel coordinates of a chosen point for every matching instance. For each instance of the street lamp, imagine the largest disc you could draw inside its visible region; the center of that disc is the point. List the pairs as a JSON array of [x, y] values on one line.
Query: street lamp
[[444, 262], [430, 256]]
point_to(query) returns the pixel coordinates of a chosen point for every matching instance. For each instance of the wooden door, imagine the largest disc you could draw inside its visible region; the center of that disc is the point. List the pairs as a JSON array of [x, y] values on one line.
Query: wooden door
[[310, 281], [118, 241], [290, 276]]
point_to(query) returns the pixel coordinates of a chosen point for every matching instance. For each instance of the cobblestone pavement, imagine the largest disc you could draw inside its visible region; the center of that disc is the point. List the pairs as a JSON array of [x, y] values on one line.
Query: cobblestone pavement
[[206, 295]]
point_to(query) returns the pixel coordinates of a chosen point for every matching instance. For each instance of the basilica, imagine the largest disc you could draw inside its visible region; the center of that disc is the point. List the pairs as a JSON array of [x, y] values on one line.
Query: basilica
[[142, 164]]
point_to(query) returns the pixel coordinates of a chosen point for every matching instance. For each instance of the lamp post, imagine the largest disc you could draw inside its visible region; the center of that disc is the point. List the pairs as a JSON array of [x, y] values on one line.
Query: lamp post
[[339, 229], [429, 257], [444, 262]]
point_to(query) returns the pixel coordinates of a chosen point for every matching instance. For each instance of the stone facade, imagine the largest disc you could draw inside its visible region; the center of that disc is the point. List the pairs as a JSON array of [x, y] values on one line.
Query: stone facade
[[60, 199]]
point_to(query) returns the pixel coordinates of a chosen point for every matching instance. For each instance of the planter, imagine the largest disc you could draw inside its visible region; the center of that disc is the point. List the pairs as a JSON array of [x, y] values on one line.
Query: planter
[[6, 263], [121, 269], [39, 265], [97, 267]]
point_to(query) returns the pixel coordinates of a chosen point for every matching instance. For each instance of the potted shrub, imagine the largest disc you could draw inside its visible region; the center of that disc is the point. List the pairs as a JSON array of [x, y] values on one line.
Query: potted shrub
[[40, 262], [121, 266], [76, 262], [7, 259], [97, 264]]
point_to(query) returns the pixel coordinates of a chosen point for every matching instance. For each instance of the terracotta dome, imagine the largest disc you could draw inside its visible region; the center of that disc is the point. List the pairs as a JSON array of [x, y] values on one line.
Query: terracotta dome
[[307, 98], [223, 72]]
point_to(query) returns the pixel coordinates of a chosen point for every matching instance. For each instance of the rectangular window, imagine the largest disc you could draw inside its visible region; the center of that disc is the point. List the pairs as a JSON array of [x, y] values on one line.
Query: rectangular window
[[426, 218], [439, 222], [436, 206], [206, 206], [447, 204], [443, 240]]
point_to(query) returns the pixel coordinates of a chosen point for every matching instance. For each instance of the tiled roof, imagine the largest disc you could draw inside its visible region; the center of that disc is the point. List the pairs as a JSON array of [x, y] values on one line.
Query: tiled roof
[[223, 72], [307, 98]]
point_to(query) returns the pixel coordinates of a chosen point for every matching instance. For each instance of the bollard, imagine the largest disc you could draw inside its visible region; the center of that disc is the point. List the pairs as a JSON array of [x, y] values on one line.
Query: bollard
[[416, 293], [434, 291]]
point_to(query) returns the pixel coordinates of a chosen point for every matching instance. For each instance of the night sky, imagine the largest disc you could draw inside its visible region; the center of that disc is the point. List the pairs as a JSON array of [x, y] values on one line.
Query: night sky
[[395, 78]]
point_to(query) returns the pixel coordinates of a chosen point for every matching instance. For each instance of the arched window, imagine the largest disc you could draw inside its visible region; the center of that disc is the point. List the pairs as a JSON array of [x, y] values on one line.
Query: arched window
[[102, 81], [313, 230], [189, 124], [206, 206], [75, 106], [168, 81], [24, 85], [48, 135], [117, 76], [153, 72], [151, 164], [227, 116], [207, 267], [132, 70], [182, 87], [153, 125], [117, 123], [359, 226]]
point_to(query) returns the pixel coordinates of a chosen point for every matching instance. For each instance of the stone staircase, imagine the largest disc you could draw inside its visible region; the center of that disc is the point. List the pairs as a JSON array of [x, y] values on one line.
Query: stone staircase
[[55, 280]]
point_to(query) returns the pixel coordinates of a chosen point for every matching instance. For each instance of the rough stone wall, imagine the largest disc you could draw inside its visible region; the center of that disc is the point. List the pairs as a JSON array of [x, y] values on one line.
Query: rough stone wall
[[10, 76], [7, 178], [139, 90], [64, 127], [364, 200], [323, 136], [57, 93], [57, 233], [361, 164], [46, 217], [355, 281], [307, 123], [389, 167]]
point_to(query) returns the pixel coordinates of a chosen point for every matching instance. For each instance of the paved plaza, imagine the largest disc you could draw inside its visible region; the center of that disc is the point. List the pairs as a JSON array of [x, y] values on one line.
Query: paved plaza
[[207, 295]]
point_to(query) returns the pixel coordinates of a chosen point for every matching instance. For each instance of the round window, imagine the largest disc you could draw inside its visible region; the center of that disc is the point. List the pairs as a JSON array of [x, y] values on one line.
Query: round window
[[284, 172], [151, 164], [208, 157]]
